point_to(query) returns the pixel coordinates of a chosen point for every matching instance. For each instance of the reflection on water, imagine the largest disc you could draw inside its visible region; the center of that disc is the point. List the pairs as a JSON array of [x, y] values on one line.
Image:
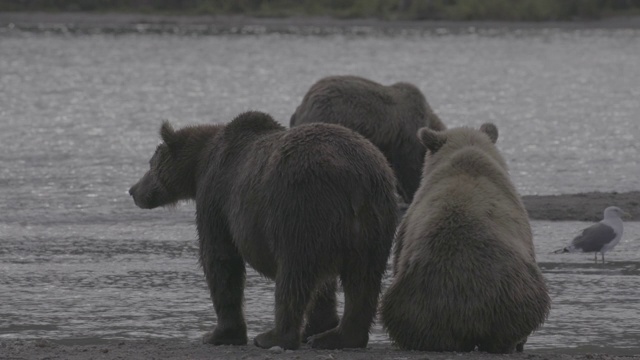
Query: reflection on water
[[80, 116]]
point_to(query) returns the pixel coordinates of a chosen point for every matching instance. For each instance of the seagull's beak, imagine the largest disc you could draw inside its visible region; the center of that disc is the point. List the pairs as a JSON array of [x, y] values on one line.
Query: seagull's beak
[[626, 215]]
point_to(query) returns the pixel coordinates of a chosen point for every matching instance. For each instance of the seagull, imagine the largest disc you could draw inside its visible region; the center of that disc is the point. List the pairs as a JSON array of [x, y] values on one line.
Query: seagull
[[599, 237]]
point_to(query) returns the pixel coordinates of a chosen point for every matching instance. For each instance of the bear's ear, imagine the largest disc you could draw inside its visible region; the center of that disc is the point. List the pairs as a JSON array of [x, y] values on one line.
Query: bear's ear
[[432, 140], [169, 136], [491, 130]]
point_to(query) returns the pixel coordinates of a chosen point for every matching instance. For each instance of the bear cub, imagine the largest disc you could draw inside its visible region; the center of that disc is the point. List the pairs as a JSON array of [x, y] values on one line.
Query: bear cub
[[465, 273], [304, 207]]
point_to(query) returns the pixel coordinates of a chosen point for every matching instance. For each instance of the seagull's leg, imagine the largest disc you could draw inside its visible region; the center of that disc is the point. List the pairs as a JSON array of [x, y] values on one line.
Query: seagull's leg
[[603, 258], [595, 258]]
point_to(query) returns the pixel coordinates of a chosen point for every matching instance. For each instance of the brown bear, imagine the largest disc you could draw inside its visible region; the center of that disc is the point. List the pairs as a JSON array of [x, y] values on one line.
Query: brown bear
[[465, 273], [302, 206], [389, 116]]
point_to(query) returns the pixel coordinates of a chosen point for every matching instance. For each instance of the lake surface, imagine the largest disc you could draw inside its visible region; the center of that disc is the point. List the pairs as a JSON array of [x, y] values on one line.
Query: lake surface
[[81, 113]]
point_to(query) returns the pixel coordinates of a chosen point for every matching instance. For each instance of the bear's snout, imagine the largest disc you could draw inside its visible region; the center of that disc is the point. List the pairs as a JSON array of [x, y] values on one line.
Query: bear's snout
[[133, 191], [148, 193], [141, 194]]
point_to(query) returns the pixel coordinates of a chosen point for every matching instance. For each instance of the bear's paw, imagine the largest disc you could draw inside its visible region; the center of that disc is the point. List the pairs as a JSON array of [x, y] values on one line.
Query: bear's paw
[[226, 336], [271, 338], [336, 339]]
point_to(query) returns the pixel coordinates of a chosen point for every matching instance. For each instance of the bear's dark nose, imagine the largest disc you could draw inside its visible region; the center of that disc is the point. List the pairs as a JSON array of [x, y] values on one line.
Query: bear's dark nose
[[132, 190]]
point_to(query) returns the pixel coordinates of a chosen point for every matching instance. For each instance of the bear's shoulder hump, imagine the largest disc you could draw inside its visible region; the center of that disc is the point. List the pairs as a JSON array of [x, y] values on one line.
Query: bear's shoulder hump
[[252, 122]]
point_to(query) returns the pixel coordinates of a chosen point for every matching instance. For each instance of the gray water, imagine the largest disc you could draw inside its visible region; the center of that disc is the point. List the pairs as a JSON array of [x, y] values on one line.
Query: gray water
[[80, 116]]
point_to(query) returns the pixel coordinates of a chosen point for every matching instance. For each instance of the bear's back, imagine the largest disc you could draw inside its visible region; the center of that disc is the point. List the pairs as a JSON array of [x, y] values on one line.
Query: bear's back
[[474, 188], [255, 142], [312, 147], [377, 111], [263, 178]]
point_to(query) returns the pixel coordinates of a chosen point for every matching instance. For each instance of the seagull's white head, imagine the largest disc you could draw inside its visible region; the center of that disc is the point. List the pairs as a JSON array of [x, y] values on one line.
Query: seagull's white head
[[613, 211]]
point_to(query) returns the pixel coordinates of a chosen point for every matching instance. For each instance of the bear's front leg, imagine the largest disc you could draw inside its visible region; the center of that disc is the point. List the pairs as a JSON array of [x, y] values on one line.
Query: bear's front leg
[[225, 272]]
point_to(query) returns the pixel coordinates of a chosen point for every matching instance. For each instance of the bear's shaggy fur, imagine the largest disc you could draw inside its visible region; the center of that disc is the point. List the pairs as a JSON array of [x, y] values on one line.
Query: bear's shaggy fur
[[465, 273], [389, 116], [302, 206]]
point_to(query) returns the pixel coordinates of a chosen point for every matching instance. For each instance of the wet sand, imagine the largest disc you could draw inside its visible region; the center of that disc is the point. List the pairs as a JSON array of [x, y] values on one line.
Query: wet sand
[[175, 349]]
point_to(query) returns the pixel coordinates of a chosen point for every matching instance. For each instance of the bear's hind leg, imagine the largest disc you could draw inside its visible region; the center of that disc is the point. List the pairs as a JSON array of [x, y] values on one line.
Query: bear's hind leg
[[361, 285], [322, 314], [294, 287], [521, 343]]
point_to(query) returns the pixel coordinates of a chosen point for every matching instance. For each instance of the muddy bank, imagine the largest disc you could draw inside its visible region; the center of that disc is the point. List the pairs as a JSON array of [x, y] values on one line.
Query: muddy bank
[[581, 207], [176, 349], [587, 206]]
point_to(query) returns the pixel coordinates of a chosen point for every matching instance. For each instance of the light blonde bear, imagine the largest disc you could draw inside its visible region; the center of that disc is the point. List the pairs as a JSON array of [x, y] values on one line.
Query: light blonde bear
[[465, 273]]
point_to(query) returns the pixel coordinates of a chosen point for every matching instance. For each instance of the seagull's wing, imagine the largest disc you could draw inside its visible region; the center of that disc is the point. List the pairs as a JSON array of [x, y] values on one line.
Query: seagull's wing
[[594, 237]]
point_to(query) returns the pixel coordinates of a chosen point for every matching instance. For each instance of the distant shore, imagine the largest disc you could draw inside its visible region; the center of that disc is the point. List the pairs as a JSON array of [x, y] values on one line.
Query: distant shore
[[132, 22]]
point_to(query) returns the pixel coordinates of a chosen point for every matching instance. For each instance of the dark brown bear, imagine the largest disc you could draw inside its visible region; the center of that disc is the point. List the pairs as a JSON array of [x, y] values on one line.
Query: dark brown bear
[[389, 116], [302, 206]]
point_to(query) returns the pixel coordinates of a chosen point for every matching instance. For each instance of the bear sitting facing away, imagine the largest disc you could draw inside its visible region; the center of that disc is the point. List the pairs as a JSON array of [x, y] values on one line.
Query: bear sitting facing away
[[465, 273], [389, 116], [301, 206]]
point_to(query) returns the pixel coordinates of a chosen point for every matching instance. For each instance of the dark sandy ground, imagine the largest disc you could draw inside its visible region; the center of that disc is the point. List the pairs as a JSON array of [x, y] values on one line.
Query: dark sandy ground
[[175, 349], [582, 207]]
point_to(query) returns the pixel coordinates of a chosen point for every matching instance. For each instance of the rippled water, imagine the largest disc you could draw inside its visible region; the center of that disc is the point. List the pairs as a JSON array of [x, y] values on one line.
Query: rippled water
[[140, 279], [80, 116]]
